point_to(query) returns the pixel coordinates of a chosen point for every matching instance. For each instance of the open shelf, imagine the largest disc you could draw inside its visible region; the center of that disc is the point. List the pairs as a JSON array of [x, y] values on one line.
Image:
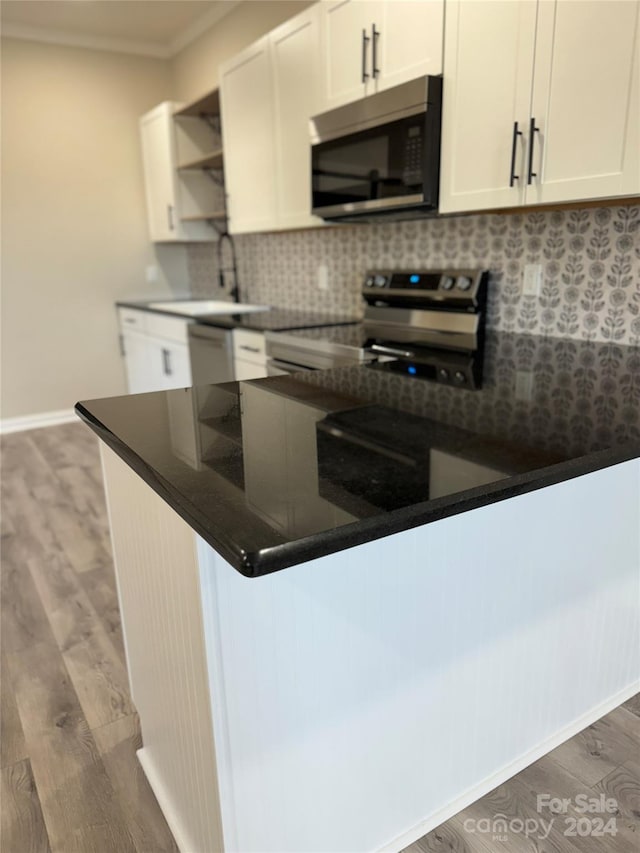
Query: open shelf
[[213, 160], [208, 105], [230, 428], [205, 217]]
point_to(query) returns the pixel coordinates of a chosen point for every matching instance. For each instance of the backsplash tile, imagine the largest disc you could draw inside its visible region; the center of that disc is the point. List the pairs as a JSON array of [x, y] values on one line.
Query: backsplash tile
[[590, 260]]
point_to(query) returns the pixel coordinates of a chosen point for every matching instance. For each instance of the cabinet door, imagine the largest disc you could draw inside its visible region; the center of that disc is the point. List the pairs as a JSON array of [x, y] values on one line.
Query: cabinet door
[[586, 101], [170, 364], [296, 61], [138, 362], [248, 134], [347, 49], [410, 41], [488, 70], [158, 157]]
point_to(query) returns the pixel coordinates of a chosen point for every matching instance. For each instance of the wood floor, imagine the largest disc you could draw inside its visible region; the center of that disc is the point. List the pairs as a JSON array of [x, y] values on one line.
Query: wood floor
[[70, 781]]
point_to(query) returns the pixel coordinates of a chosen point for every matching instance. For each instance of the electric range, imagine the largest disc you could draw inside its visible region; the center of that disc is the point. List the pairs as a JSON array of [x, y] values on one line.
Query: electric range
[[426, 324]]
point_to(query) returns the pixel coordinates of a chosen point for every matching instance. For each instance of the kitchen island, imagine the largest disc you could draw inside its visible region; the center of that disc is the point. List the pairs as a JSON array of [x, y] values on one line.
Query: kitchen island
[[355, 601]]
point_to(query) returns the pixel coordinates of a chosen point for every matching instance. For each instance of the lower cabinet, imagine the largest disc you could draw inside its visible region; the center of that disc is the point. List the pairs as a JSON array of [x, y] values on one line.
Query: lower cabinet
[[156, 352]]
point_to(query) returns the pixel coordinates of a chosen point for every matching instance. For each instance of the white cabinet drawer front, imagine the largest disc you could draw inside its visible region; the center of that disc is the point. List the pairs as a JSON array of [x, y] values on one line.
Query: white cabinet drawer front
[[249, 346], [132, 320], [170, 328]]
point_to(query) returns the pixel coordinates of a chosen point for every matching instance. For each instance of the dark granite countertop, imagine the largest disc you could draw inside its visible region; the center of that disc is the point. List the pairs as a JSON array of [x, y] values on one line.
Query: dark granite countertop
[[291, 468], [273, 320]]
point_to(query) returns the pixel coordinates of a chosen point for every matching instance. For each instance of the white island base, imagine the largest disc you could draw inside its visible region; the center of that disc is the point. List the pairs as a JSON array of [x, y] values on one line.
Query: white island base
[[354, 702]]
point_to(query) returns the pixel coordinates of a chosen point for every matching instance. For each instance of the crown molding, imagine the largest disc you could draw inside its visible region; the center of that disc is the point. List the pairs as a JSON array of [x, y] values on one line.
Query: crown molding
[[201, 25], [63, 37], [116, 45]]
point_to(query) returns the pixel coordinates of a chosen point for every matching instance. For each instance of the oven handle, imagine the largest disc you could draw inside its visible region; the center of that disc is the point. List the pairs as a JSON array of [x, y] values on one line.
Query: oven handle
[[391, 351]]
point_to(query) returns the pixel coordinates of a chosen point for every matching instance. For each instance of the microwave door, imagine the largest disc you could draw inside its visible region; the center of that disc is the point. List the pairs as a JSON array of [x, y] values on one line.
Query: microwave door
[[381, 167]]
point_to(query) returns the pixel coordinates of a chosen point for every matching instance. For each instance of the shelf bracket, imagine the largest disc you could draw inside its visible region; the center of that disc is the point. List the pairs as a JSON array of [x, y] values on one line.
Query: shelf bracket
[[212, 120], [215, 175], [218, 225]]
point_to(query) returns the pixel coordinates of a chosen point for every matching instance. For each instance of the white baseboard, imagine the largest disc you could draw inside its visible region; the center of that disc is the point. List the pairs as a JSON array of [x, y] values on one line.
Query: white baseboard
[[173, 819], [510, 770], [44, 419]]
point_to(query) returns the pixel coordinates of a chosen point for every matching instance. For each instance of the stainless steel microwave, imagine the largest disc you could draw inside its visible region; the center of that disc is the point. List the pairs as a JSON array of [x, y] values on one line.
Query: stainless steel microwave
[[379, 156]]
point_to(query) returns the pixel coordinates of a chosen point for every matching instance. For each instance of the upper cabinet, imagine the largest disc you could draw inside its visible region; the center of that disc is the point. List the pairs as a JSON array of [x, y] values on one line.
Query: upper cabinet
[[586, 101], [269, 91], [316, 60], [297, 93], [248, 133], [541, 102], [371, 45], [180, 153]]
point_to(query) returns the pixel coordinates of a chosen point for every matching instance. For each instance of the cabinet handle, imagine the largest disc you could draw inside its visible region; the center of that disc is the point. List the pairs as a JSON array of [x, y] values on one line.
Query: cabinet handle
[[122, 349], [375, 34], [516, 133], [532, 131], [248, 348], [365, 42], [166, 362], [170, 217]]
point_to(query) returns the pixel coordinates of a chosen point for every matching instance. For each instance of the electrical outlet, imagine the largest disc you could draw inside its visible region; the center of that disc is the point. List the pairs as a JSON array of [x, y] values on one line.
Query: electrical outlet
[[151, 273], [323, 277], [531, 280], [524, 385]]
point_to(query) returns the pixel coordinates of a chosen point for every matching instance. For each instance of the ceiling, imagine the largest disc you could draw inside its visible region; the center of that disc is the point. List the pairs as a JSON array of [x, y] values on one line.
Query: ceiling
[[148, 27]]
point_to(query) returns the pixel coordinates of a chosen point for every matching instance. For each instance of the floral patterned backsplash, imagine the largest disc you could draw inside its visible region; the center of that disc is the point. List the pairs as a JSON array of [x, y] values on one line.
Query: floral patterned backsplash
[[590, 267]]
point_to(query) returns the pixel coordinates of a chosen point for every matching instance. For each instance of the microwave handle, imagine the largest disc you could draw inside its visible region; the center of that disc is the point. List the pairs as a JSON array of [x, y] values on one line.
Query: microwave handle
[[365, 42]]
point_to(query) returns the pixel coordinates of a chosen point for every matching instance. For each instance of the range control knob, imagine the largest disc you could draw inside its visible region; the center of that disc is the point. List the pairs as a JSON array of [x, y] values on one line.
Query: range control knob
[[460, 377], [463, 282], [369, 281], [446, 282], [380, 280], [443, 374]]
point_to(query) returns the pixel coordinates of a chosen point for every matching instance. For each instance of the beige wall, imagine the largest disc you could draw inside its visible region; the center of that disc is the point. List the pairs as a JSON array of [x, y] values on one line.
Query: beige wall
[[74, 234], [195, 68]]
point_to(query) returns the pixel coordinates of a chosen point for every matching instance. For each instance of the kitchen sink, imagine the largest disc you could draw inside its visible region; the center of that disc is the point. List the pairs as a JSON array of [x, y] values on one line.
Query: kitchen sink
[[201, 307]]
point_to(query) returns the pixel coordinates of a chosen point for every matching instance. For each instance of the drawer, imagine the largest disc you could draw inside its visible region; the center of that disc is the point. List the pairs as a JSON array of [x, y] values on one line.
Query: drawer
[[169, 328], [249, 346], [131, 320]]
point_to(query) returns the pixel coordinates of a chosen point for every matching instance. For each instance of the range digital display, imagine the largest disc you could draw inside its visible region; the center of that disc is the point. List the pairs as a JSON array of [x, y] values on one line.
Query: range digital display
[[414, 281]]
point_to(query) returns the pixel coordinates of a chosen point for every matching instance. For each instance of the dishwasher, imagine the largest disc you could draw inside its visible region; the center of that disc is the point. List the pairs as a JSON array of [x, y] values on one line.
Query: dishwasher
[[211, 354]]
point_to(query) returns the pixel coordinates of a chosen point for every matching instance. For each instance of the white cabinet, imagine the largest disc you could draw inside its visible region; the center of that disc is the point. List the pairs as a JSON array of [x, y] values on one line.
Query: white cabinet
[[347, 28], [297, 92], [155, 350], [540, 103], [321, 58], [269, 92], [370, 46], [248, 133], [586, 101], [249, 355], [174, 198]]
